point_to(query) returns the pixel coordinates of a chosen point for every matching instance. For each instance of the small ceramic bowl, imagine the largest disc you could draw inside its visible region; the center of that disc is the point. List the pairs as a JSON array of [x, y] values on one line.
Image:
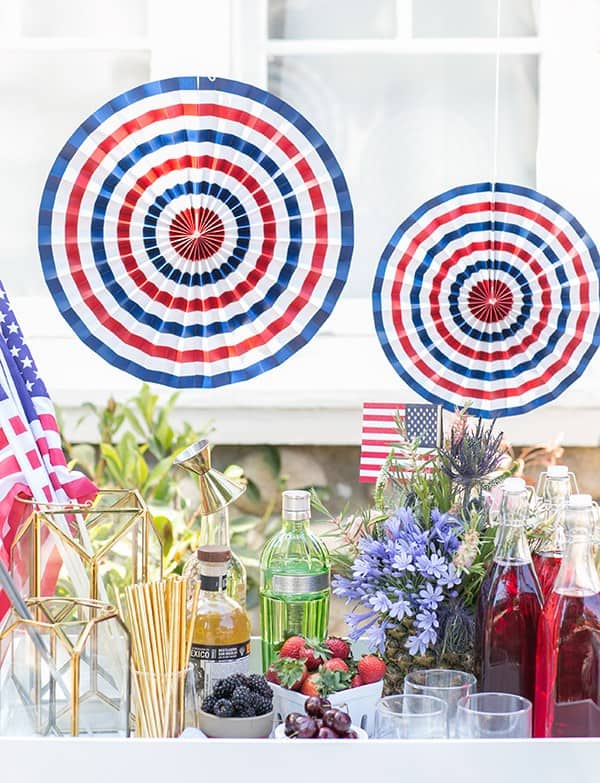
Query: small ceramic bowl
[[280, 733], [236, 728]]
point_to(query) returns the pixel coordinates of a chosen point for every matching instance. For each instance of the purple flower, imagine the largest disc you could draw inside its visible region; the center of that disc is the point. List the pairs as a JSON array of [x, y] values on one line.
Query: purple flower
[[376, 638], [380, 602], [403, 561], [431, 597], [400, 609], [434, 565], [426, 620], [403, 571]]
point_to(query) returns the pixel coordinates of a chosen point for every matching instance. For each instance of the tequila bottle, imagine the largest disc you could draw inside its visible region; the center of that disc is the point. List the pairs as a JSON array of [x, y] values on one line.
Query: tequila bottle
[[510, 603], [214, 530], [294, 579], [221, 638]]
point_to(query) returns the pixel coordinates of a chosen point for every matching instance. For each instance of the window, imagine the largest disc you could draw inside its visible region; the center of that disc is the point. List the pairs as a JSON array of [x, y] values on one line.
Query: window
[[404, 93]]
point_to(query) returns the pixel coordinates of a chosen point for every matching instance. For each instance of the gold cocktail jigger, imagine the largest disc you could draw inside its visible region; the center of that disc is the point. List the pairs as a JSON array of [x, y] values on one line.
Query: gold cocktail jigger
[[216, 490]]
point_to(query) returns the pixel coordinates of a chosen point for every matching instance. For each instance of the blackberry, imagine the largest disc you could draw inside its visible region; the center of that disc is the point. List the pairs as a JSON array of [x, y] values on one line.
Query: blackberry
[[208, 705], [243, 699], [225, 687], [223, 709], [246, 713], [258, 684], [263, 704]]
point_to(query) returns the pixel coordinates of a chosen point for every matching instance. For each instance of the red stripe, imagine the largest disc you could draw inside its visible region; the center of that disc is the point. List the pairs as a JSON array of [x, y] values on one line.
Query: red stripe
[[381, 430], [136, 273], [197, 355], [458, 389], [375, 417], [489, 355], [48, 422], [17, 425], [384, 406], [9, 466]]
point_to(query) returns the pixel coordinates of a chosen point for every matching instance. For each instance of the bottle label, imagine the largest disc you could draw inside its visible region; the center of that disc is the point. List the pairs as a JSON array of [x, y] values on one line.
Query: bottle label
[[213, 583], [300, 584], [214, 662]]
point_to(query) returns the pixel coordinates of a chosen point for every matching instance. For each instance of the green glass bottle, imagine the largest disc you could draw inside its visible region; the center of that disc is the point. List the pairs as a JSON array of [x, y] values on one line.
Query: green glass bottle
[[294, 579]]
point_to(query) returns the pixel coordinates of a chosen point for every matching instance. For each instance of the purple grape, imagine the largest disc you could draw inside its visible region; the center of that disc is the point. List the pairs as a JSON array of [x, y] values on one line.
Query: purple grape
[[312, 707], [291, 721], [306, 728], [350, 735], [341, 722], [325, 704], [328, 718], [326, 733]]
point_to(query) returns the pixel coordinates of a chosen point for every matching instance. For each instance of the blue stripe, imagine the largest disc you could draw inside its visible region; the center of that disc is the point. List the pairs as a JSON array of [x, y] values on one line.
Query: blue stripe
[[322, 150], [517, 324], [176, 275], [468, 373]]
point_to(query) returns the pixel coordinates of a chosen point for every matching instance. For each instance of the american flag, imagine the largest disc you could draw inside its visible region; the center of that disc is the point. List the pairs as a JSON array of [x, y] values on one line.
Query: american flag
[[32, 462], [379, 432]]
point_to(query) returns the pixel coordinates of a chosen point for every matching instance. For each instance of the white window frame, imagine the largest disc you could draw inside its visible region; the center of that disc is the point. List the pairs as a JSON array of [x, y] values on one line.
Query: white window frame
[[315, 397]]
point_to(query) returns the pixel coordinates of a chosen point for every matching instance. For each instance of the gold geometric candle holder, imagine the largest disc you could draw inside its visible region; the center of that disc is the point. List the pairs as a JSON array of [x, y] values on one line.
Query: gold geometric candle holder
[[88, 551], [81, 687]]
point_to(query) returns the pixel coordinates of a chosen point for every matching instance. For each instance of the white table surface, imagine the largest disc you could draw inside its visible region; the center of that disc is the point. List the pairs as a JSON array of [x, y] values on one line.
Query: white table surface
[[258, 761]]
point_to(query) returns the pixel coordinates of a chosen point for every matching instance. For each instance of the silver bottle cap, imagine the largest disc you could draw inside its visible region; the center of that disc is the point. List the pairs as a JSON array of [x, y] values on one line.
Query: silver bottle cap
[[295, 505]]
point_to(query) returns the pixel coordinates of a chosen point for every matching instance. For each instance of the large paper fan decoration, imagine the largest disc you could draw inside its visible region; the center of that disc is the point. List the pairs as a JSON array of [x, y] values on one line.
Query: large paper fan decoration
[[489, 294], [196, 232]]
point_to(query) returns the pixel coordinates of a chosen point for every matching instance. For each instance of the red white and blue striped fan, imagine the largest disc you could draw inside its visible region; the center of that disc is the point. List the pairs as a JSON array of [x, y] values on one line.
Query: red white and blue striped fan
[[489, 294], [196, 232]]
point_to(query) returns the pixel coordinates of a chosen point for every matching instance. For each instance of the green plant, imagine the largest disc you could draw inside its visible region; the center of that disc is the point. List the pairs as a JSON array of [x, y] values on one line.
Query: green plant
[[138, 441]]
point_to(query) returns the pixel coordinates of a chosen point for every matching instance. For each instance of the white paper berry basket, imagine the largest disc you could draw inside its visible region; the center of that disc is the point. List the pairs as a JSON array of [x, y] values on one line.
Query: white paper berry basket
[[360, 703]]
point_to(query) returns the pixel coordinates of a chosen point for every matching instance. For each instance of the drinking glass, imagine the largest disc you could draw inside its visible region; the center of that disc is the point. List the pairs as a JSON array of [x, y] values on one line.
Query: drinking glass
[[445, 684], [165, 703], [493, 716], [411, 717]]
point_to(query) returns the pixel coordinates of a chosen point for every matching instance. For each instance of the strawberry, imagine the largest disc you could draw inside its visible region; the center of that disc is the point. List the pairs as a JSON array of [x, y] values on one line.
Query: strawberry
[[313, 661], [371, 669], [310, 686], [290, 672], [356, 681], [292, 647], [339, 648], [335, 665]]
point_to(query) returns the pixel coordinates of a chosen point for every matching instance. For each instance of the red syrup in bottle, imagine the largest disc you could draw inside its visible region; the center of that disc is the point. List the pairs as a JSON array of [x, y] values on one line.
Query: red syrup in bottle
[[547, 566], [568, 689], [510, 603], [510, 614], [567, 701]]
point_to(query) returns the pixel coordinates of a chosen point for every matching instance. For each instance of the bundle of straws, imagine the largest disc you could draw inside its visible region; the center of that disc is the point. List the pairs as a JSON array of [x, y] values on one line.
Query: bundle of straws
[[161, 640]]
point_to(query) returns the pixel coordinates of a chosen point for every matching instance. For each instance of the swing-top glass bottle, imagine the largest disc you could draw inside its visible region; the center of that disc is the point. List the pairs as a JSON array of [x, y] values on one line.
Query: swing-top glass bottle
[[510, 602], [567, 701], [554, 488]]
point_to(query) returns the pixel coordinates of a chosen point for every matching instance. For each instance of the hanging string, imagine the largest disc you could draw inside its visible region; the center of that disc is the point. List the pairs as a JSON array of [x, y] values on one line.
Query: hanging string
[[495, 134]]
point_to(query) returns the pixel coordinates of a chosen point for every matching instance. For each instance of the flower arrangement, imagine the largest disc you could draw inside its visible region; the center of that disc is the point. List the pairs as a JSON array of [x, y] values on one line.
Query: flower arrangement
[[411, 566]]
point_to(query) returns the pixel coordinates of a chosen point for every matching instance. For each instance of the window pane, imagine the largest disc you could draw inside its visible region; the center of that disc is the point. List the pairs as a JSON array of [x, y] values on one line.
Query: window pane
[[473, 18], [81, 18], [332, 19], [405, 128], [49, 95]]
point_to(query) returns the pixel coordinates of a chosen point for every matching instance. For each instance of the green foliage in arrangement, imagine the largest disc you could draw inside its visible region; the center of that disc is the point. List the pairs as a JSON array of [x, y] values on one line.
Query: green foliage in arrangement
[[138, 442]]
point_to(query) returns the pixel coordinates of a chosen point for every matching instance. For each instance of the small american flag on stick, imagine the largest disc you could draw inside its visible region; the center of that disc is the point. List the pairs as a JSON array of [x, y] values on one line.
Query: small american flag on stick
[[379, 432]]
